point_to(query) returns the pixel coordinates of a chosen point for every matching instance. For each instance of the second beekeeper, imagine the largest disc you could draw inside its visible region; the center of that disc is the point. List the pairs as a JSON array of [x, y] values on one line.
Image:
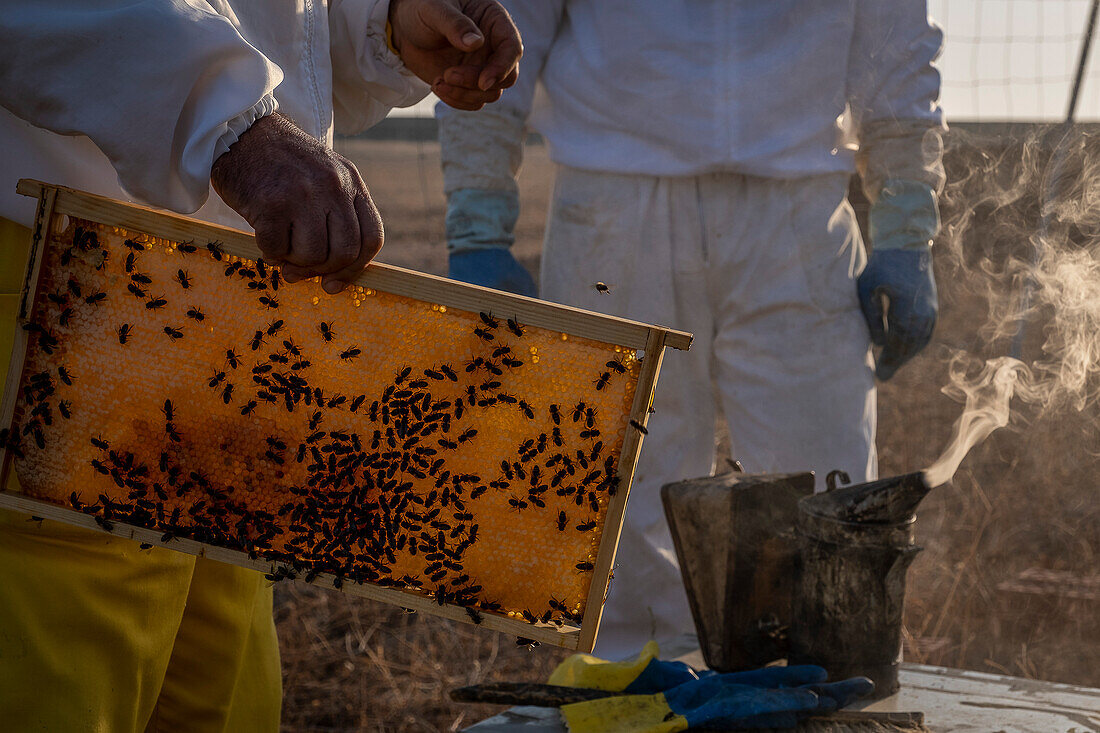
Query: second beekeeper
[[703, 151]]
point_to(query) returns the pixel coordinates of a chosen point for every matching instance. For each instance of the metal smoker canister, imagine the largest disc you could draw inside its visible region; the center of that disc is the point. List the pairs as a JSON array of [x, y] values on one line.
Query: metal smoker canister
[[849, 596]]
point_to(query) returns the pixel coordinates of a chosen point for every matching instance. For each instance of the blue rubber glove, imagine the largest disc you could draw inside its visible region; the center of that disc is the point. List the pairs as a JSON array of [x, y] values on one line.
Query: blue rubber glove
[[492, 268], [480, 232], [660, 675], [773, 697], [903, 222]]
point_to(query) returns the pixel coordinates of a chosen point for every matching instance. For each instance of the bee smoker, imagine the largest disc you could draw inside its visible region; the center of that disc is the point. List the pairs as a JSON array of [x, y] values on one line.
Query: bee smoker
[[774, 571], [735, 538], [855, 545]]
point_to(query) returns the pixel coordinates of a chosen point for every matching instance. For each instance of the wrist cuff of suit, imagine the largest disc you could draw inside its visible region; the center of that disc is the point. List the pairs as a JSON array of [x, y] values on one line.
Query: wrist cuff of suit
[[479, 219], [905, 216], [236, 126]]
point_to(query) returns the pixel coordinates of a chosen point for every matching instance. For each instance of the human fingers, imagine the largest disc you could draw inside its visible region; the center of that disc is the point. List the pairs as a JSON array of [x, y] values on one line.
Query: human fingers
[[504, 43], [465, 99], [342, 224], [371, 236], [509, 79], [273, 237], [466, 76], [294, 273], [308, 238], [449, 21]]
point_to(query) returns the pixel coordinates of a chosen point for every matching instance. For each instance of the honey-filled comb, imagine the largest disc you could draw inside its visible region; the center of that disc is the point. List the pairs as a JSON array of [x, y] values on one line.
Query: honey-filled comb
[[439, 446]]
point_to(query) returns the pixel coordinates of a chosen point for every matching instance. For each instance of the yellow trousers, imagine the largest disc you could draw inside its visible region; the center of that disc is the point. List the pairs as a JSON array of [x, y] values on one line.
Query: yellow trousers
[[99, 635]]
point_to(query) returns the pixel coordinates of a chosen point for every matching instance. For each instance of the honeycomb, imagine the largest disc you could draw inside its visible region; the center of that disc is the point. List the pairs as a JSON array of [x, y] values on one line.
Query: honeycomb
[[384, 440]]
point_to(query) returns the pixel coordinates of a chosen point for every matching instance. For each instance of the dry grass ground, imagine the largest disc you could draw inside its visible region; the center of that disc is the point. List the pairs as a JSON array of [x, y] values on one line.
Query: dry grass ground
[[1024, 504]]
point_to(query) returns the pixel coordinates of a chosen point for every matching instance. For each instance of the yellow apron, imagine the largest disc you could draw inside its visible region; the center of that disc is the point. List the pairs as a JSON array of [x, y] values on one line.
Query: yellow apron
[[98, 635]]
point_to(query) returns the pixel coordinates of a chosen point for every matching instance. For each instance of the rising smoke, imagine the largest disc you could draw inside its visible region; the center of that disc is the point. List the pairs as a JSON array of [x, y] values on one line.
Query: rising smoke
[[1037, 200]]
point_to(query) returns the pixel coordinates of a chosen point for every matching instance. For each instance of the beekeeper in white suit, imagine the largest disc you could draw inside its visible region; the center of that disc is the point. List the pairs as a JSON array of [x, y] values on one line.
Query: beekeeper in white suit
[[162, 101], [703, 152]]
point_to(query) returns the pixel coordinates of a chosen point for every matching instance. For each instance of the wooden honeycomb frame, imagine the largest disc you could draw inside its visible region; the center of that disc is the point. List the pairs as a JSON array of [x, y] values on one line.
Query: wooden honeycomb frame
[[57, 205]]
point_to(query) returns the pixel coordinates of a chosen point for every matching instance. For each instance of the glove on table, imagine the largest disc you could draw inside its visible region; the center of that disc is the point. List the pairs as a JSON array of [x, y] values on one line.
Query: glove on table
[[682, 698]]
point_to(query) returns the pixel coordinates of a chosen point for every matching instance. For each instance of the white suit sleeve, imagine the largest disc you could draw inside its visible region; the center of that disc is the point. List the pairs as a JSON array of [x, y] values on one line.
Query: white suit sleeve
[[893, 93], [162, 87], [484, 149], [368, 79]]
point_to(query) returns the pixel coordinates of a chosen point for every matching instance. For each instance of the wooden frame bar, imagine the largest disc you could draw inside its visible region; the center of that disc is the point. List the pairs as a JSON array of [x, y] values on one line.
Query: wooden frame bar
[[628, 460], [56, 200], [47, 199], [377, 276]]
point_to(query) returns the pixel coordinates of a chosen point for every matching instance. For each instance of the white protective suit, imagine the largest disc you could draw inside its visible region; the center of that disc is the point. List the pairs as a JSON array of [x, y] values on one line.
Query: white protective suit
[[704, 149], [136, 99]]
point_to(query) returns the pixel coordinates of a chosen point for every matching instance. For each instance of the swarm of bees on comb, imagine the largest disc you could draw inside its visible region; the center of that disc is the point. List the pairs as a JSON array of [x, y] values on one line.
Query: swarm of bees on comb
[[367, 436]]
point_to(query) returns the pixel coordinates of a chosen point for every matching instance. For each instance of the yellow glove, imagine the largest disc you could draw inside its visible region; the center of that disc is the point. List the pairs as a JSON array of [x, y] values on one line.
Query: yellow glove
[[585, 670]]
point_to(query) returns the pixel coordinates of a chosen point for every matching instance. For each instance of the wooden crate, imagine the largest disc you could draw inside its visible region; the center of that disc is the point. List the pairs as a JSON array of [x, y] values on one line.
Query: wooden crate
[[439, 446]]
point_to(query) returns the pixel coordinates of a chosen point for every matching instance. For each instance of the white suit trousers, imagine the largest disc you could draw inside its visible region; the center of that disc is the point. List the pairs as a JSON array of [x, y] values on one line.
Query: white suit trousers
[[762, 271]]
